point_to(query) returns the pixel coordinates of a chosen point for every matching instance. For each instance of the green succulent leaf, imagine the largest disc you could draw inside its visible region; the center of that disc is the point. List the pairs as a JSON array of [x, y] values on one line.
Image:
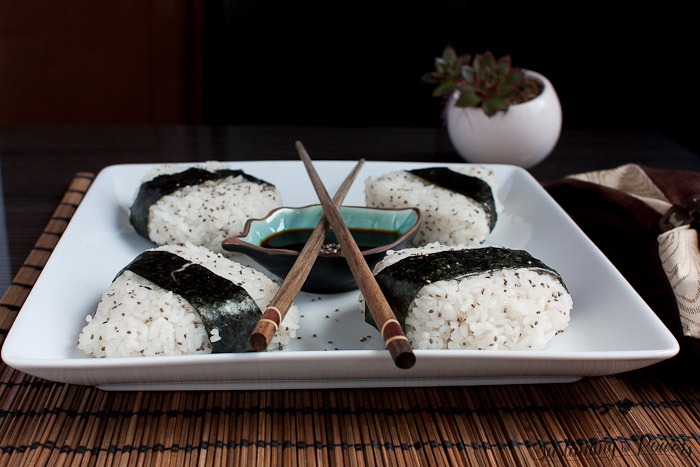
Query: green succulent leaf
[[514, 77], [487, 61], [504, 61], [430, 77], [503, 91], [487, 73], [444, 89], [449, 55], [468, 74], [467, 99], [492, 106], [482, 81], [440, 66], [499, 104]]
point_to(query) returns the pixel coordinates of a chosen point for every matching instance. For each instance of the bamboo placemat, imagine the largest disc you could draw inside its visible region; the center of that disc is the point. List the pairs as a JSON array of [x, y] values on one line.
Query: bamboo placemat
[[632, 419]]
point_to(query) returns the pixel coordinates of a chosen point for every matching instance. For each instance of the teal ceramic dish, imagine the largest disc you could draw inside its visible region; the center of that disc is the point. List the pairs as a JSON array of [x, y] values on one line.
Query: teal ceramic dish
[[276, 240]]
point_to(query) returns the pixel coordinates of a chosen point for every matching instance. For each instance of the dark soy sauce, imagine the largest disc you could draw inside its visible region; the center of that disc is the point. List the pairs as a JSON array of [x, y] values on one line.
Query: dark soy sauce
[[295, 239]]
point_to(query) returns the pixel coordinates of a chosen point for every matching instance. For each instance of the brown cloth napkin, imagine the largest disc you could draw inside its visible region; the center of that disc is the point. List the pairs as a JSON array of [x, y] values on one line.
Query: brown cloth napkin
[[642, 219]]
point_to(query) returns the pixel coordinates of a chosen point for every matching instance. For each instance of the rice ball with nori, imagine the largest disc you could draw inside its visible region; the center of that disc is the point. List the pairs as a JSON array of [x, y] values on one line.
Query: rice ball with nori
[[485, 298], [458, 204], [202, 204], [181, 300]]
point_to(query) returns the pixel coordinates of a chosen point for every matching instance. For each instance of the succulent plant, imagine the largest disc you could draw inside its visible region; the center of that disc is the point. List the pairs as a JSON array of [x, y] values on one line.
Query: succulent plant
[[489, 83]]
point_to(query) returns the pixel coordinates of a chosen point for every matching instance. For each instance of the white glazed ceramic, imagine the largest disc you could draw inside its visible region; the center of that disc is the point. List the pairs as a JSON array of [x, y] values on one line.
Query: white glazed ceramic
[[337, 348], [522, 136]]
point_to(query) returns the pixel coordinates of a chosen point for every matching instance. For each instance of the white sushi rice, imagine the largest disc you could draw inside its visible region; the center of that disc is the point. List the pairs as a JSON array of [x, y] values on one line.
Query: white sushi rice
[[510, 309], [208, 213], [447, 217], [135, 317]]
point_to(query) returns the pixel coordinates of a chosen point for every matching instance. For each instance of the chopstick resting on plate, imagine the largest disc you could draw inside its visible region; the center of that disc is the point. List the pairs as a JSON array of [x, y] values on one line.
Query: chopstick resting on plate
[[272, 318], [390, 329]]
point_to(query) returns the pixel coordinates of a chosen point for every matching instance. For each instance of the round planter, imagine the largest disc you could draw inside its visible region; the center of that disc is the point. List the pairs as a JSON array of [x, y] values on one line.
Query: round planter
[[523, 136]]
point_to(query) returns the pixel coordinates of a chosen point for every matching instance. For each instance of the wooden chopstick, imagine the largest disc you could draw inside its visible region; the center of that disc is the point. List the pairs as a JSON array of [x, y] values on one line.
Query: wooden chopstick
[[272, 318], [383, 315]]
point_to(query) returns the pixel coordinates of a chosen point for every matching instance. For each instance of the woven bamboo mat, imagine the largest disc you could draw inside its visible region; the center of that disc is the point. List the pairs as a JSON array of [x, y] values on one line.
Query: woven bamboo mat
[[634, 419]]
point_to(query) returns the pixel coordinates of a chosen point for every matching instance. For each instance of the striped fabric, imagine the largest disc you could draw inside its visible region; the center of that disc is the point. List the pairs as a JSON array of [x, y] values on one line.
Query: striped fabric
[[678, 247]]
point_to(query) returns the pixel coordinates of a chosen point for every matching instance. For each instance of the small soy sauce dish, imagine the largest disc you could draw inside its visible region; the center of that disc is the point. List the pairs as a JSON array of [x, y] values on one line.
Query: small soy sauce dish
[[276, 240]]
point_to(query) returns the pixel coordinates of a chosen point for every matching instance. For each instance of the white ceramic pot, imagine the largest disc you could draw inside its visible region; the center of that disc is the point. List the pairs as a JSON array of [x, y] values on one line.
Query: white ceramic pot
[[522, 136]]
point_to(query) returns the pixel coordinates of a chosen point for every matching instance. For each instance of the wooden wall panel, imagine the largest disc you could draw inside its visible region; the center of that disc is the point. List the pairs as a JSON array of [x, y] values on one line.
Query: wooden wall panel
[[105, 62]]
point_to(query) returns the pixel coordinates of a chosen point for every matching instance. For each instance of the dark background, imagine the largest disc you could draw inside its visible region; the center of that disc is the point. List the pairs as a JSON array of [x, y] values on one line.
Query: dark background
[[615, 65]]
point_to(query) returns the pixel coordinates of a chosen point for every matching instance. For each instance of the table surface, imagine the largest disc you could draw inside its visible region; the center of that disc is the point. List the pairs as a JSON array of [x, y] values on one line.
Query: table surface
[[38, 164]]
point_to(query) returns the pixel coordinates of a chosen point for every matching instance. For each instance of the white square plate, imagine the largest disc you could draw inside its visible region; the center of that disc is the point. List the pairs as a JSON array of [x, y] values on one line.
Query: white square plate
[[612, 329]]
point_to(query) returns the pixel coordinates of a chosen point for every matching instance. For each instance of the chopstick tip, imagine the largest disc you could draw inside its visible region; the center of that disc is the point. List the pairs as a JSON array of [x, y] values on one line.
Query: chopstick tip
[[258, 342], [406, 360], [402, 354]]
